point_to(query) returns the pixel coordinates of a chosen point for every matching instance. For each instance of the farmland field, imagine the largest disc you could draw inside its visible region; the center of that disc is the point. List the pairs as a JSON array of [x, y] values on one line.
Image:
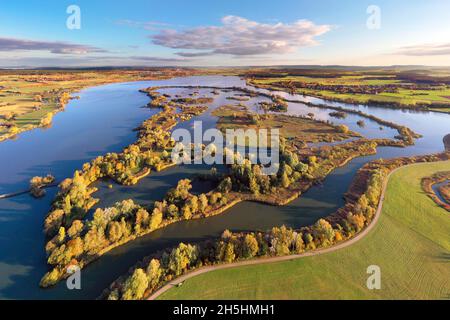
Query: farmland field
[[381, 86]]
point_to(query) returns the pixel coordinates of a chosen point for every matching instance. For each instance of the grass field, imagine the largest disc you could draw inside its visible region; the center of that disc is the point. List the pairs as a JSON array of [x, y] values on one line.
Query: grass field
[[410, 243], [404, 96], [19, 92], [301, 129]]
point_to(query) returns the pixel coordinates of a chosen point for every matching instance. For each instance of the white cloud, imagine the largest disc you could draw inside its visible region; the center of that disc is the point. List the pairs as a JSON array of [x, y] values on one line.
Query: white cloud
[[11, 44], [147, 25], [239, 36], [87, 61], [425, 50]]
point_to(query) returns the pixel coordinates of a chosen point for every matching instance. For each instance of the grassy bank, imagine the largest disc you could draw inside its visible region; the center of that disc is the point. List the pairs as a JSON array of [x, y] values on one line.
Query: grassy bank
[[30, 98], [410, 244]]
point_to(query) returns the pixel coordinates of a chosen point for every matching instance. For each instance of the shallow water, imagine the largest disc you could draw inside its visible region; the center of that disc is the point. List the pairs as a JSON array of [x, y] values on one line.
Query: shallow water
[[100, 122], [436, 190]]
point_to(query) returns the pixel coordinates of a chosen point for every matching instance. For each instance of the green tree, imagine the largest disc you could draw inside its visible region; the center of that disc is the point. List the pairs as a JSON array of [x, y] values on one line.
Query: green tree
[[135, 286], [114, 231], [186, 212], [250, 246], [343, 128], [226, 185], [229, 255], [155, 219], [154, 273], [142, 219], [172, 211], [285, 182], [182, 257], [180, 192], [203, 199], [323, 231]]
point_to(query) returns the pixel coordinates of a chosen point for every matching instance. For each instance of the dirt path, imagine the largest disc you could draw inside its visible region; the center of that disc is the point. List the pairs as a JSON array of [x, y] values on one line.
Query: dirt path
[[339, 246]]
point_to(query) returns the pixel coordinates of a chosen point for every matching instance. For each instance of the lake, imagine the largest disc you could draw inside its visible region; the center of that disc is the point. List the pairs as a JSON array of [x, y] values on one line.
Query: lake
[[101, 121]]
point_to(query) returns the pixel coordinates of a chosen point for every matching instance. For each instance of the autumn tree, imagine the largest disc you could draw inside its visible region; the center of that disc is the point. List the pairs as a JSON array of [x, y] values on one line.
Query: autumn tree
[[154, 273], [182, 257], [250, 246], [323, 231], [135, 286], [155, 219]]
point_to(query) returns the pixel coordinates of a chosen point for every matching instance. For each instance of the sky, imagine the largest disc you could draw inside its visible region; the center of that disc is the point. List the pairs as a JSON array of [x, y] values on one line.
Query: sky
[[59, 33]]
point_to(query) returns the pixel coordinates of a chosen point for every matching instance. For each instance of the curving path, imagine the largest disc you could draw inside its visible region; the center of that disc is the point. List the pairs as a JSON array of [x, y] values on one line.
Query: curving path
[[341, 245]]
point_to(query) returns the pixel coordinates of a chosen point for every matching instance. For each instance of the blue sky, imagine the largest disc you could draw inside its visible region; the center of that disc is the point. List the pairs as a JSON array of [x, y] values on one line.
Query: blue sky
[[208, 33]]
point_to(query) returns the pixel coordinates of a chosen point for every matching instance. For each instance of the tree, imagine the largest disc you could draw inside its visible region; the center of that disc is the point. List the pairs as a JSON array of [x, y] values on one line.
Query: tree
[[142, 219], [226, 234], [312, 160], [61, 235], [155, 219], [223, 201], [298, 243], [13, 130], [285, 182], [282, 239], [323, 231], [193, 204], [50, 278], [253, 185], [186, 212], [250, 246], [75, 229], [59, 256], [154, 273], [75, 247], [356, 220], [94, 239], [343, 128], [182, 257], [53, 221], [226, 185], [114, 231], [308, 239], [264, 184], [135, 286], [203, 199], [229, 254], [301, 167], [338, 236], [214, 197], [180, 192]]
